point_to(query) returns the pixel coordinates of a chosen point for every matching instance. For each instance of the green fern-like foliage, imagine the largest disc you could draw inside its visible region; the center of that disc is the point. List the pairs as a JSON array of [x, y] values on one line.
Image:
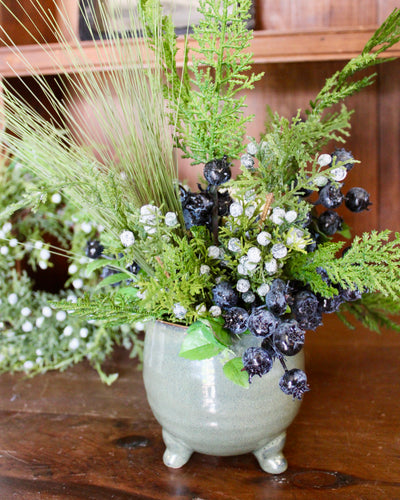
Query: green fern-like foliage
[[370, 264], [206, 110]]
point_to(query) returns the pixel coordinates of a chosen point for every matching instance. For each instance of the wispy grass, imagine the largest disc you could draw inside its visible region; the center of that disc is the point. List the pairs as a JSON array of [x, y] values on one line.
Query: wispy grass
[[123, 156]]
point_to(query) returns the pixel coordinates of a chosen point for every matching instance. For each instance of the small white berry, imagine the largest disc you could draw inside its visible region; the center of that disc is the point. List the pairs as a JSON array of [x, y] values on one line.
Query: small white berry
[[338, 174], [248, 297], [204, 269], [68, 330], [321, 180], [7, 227], [25, 311], [252, 148], [72, 269], [4, 250], [86, 227], [263, 238], [39, 321], [324, 160], [277, 216], [56, 198], [44, 254], [78, 283], [127, 238], [291, 215], [263, 289], [171, 219], [242, 270], [28, 365], [247, 161], [47, 312], [279, 250], [271, 266], [236, 209], [12, 299], [83, 332], [215, 311], [213, 252], [13, 242], [234, 245], [74, 344], [60, 315], [254, 255], [179, 311], [38, 245], [243, 285], [27, 327], [43, 264]]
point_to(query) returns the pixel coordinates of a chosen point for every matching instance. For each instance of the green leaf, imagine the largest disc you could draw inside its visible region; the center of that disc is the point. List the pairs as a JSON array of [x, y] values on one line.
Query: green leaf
[[220, 333], [233, 370], [345, 232], [111, 280], [98, 263], [199, 343]]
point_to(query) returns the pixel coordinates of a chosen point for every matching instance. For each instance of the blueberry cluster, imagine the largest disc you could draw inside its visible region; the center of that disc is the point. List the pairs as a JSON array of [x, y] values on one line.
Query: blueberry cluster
[[201, 207], [331, 197], [280, 323]]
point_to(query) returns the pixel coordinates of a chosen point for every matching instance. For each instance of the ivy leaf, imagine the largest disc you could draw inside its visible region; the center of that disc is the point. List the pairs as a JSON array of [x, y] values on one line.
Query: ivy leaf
[[233, 370], [220, 333], [200, 343]]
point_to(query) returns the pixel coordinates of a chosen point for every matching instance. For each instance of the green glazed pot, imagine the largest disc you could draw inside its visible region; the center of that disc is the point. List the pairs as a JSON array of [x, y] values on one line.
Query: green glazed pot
[[200, 410]]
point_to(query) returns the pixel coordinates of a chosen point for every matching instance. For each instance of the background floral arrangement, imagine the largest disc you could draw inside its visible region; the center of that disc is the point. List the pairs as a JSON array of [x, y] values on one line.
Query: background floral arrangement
[[36, 337], [257, 255]]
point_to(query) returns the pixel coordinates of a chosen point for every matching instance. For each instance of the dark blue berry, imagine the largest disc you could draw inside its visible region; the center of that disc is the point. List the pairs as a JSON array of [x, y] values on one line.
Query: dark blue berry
[[224, 295], [357, 199], [330, 304], [276, 302], [94, 249], [197, 210], [289, 338], [262, 323], [330, 196], [224, 202], [329, 222], [236, 320], [340, 154], [216, 172], [350, 295], [306, 310], [294, 383], [256, 361]]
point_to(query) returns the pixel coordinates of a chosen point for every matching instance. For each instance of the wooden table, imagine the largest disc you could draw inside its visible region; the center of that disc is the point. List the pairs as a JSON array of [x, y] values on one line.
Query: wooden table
[[65, 435]]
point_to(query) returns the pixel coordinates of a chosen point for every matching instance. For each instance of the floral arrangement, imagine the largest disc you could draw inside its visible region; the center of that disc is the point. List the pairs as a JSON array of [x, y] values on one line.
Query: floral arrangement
[[265, 254], [35, 243]]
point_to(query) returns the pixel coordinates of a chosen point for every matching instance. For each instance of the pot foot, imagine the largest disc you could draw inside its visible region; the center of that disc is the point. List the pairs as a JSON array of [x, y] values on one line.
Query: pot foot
[[177, 453], [270, 456]]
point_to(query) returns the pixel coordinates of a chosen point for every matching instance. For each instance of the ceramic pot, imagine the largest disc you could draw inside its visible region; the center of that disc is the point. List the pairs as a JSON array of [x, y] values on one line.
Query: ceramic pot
[[200, 410]]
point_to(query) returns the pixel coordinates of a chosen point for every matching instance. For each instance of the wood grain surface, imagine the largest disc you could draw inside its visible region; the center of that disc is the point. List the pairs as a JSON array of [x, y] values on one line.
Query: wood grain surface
[[67, 436]]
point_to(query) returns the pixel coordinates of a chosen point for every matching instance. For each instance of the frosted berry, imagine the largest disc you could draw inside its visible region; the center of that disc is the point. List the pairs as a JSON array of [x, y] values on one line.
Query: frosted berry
[[275, 301], [357, 199], [94, 249], [330, 196], [294, 383], [306, 310], [256, 361], [262, 323], [217, 172], [330, 305], [341, 155], [197, 210], [224, 295], [349, 295], [329, 222], [236, 320], [289, 338]]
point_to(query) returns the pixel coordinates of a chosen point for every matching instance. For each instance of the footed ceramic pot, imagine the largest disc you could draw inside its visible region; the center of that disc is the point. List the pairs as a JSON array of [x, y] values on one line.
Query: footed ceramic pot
[[200, 410]]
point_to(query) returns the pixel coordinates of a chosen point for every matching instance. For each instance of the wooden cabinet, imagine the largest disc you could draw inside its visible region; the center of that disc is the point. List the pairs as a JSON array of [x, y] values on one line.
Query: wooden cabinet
[[297, 43]]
